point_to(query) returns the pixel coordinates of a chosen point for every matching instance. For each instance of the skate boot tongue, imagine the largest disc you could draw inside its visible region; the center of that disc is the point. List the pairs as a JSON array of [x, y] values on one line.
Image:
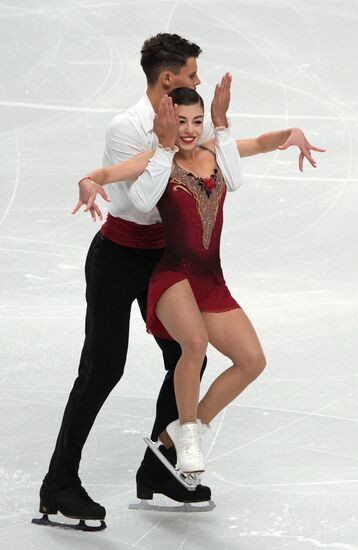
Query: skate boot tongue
[[189, 452]]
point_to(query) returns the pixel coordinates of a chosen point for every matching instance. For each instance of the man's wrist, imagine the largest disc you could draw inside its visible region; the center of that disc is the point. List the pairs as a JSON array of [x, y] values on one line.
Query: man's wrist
[[170, 148], [220, 123]]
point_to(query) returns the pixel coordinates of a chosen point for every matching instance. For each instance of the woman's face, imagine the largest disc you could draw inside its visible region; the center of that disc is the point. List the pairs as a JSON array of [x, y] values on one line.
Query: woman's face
[[191, 126]]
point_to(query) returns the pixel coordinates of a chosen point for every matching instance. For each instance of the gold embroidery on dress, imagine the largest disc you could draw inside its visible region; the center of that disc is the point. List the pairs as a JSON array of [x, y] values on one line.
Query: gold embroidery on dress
[[180, 186], [207, 206]]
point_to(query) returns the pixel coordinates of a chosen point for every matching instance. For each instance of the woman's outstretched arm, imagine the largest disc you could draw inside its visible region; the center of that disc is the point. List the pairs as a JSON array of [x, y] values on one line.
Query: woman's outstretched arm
[[281, 139], [269, 141], [92, 184], [149, 171], [128, 170]]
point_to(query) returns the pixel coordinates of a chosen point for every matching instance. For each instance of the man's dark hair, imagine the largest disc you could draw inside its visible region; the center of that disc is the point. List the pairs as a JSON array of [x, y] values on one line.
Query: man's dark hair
[[166, 51], [186, 96]]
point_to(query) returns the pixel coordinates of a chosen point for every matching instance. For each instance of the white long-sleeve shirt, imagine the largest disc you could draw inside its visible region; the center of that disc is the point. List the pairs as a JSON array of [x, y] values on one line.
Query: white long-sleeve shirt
[[131, 133], [128, 134]]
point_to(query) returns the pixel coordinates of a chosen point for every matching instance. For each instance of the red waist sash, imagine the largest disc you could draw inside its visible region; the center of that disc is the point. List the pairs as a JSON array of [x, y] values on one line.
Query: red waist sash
[[132, 234]]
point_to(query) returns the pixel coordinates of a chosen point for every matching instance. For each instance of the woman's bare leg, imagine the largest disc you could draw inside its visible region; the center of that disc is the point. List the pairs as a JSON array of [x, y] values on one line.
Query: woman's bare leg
[[232, 334], [178, 312]]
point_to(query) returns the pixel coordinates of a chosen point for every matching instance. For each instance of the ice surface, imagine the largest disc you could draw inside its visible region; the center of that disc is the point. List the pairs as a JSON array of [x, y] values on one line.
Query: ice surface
[[283, 459]]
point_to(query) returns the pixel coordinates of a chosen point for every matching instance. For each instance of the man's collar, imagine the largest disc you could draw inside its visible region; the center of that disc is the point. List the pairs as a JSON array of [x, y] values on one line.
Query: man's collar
[[146, 113]]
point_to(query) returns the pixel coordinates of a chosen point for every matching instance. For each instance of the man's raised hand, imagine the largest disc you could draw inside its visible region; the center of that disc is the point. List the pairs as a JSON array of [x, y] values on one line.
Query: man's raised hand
[[166, 122], [221, 101]]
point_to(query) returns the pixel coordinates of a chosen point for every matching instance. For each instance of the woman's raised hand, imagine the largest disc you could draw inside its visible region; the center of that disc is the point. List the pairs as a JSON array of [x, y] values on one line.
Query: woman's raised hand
[[221, 101]]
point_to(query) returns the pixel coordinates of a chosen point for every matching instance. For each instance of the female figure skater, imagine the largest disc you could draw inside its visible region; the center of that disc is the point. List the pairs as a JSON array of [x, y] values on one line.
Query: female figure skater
[[188, 299]]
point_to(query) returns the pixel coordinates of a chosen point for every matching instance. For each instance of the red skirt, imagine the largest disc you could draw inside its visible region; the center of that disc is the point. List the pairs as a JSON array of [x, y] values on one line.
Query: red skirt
[[210, 291]]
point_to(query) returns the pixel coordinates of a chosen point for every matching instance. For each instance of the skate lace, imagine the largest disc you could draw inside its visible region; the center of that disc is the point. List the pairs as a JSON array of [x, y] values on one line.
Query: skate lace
[[194, 478]]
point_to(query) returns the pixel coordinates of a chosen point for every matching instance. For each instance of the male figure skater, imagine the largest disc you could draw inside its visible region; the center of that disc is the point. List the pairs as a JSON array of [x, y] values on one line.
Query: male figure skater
[[119, 264]]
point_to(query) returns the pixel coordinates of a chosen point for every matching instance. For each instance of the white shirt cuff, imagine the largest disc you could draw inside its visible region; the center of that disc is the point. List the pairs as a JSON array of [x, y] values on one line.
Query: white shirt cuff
[[164, 157], [222, 136]]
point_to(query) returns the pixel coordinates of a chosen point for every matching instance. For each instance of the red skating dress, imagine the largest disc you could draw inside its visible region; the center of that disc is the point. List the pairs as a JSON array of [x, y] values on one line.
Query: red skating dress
[[191, 209]]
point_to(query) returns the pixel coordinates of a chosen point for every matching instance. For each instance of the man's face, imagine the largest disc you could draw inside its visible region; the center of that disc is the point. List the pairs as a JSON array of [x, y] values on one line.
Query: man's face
[[187, 76]]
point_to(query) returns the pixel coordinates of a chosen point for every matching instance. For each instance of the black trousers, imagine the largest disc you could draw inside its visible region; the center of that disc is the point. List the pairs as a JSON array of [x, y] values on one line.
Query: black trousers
[[115, 277]]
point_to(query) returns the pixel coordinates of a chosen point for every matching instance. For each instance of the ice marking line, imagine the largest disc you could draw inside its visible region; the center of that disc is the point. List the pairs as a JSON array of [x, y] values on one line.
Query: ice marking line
[[340, 527], [281, 241], [51, 10], [145, 534], [339, 194], [276, 214], [48, 56], [8, 237], [171, 14], [311, 31], [52, 107], [81, 107], [24, 251], [41, 209], [112, 48], [65, 393], [118, 110], [216, 434], [73, 221], [315, 542], [44, 253], [41, 287], [320, 544], [303, 179], [328, 416], [270, 487], [301, 483], [17, 179], [184, 540], [303, 92], [264, 436], [253, 42], [315, 450]]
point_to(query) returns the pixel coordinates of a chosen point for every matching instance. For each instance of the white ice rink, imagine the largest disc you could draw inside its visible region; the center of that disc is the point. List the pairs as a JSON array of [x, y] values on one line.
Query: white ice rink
[[282, 459]]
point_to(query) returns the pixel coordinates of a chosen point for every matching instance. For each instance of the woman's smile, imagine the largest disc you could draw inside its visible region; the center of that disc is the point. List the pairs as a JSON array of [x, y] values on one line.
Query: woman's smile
[[188, 140]]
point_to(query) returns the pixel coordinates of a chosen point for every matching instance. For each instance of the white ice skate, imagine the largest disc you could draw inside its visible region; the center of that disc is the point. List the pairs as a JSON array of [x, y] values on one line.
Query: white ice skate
[[187, 441]]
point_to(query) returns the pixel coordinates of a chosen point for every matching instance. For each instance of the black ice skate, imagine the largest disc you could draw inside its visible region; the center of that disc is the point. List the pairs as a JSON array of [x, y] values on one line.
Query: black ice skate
[[189, 481], [72, 502]]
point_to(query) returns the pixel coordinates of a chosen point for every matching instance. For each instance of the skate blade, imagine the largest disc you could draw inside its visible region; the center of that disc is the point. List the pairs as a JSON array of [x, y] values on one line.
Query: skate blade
[[190, 482], [81, 526], [186, 507]]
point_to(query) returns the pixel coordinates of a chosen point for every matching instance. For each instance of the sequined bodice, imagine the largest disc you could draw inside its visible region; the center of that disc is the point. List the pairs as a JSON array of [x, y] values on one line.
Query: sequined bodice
[[191, 210], [206, 192]]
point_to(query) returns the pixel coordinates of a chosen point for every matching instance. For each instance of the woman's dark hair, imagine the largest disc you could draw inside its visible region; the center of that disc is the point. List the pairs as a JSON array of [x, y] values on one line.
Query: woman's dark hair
[[186, 96], [166, 51]]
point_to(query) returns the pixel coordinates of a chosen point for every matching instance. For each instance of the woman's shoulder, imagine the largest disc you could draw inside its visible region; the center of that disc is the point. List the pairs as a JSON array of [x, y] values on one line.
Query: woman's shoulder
[[208, 146]]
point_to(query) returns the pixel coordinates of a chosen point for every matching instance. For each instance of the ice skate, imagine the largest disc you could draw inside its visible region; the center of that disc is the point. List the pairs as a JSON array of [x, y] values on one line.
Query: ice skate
[[72, 502], [187, 441], [174, 486], [154, 477], [189, 481]]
